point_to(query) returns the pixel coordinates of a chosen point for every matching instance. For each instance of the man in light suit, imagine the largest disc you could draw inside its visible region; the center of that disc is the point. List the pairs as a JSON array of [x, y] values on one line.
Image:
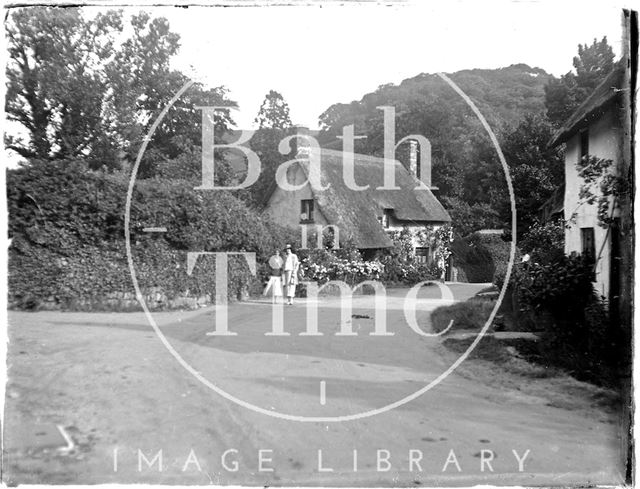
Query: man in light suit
[[290, 269]]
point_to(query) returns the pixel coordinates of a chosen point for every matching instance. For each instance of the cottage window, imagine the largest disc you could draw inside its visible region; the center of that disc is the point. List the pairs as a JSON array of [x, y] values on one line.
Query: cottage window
[[584, 145], [589, 247], [385, 219], [423, 255], [306, 210], [588, 243]]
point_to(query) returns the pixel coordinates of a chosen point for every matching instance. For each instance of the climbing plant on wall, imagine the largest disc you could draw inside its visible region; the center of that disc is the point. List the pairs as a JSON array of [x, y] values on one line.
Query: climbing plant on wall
[[438, 239], [600, 186]]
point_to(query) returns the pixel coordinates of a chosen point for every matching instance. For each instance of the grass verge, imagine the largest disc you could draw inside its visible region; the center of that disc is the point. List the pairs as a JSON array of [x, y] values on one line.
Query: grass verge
[[468, 315]]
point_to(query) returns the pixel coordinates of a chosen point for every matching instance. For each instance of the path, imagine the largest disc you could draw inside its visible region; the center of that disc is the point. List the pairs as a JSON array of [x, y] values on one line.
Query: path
[[108, 380]]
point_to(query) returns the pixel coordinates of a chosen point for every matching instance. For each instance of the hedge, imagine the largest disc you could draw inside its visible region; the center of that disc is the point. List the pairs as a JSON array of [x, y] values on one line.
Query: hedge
[[67, 228], [482, 257]]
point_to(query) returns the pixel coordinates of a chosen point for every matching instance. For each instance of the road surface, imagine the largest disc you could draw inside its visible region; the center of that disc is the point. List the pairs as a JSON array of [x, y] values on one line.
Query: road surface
[[129, 408]]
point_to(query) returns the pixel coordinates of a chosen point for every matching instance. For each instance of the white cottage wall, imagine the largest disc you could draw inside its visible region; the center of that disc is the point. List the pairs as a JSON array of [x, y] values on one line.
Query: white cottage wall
[[604, 142], [284, 205]]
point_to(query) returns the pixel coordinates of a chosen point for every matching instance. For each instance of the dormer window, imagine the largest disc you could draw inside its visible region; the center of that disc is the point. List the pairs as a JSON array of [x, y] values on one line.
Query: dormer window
[[385, 220], [306, 210]]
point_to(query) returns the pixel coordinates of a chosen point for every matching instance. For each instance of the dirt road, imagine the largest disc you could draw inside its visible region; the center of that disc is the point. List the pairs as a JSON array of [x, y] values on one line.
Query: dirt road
[[127, 406]]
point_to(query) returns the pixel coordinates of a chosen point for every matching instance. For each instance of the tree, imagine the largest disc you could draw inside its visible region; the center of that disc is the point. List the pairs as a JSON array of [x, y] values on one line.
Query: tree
[[80, 93], [465, 218], [592, 65], [465, 165], [175, 150], [536, 170], [273, 125], [142, 83], [274, 112], [56, 81], [562, 98]]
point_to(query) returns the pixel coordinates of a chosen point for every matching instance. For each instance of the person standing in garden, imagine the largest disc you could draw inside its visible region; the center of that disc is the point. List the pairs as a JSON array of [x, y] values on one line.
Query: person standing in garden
[[274, 286], [290, 268]]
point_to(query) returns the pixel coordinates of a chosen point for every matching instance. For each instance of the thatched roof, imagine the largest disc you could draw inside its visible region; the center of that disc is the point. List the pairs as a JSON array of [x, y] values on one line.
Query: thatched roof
[[604, 95], [356, 213]]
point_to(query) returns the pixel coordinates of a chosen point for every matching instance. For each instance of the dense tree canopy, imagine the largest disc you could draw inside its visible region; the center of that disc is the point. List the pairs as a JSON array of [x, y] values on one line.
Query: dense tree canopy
[[80, 88], [523, 105], [466, 170], [274, 124], [592, 64], [536, 170], [274, 112], [56, 80]]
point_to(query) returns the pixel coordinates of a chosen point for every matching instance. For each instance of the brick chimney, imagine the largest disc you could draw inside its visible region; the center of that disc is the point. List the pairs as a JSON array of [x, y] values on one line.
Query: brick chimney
[[301, 144], [413, 157], [420, 161]]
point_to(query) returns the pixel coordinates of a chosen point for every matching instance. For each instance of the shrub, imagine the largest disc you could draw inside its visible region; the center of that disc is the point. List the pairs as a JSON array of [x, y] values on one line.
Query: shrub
[[67, 225], [559, 302], [322, 266], [544, 242], [563, 288], [50, 202], [560, 299], [394, 266], [482, 257], [474, 259], [397, 271]]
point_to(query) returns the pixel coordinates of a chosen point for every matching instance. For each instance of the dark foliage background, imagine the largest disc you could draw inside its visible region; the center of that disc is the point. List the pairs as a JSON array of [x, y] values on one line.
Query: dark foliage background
[[558, 300], [482, 257], [66, 223]]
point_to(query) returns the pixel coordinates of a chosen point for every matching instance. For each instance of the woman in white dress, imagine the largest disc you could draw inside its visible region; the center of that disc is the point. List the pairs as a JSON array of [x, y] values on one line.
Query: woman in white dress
[[290, 269], [274, 286]]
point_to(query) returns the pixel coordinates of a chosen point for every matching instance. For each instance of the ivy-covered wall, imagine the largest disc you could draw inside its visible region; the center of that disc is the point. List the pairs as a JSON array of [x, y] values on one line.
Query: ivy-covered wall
[[66, 225]]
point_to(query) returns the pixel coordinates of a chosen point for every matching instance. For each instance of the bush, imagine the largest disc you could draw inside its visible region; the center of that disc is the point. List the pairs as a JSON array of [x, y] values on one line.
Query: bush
[[576, 328], [482, 257], [419, 272], [563, 288], [558, 301], [544, 242], [397, 271], [98, 278], [322, 266], [396, 266], [474, 259], [67, 226], [49, 202]]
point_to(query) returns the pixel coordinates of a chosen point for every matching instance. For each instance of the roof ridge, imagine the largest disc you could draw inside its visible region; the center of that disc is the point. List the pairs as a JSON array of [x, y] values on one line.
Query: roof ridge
[[602, 94], [359, 156]]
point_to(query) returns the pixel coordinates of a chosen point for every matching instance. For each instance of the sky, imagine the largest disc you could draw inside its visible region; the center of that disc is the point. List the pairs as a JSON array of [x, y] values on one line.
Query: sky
[[317, 55]]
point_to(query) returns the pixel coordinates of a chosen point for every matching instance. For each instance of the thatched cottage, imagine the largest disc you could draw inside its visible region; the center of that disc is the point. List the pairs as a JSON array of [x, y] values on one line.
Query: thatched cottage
[[598, 128], [364, 216]]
